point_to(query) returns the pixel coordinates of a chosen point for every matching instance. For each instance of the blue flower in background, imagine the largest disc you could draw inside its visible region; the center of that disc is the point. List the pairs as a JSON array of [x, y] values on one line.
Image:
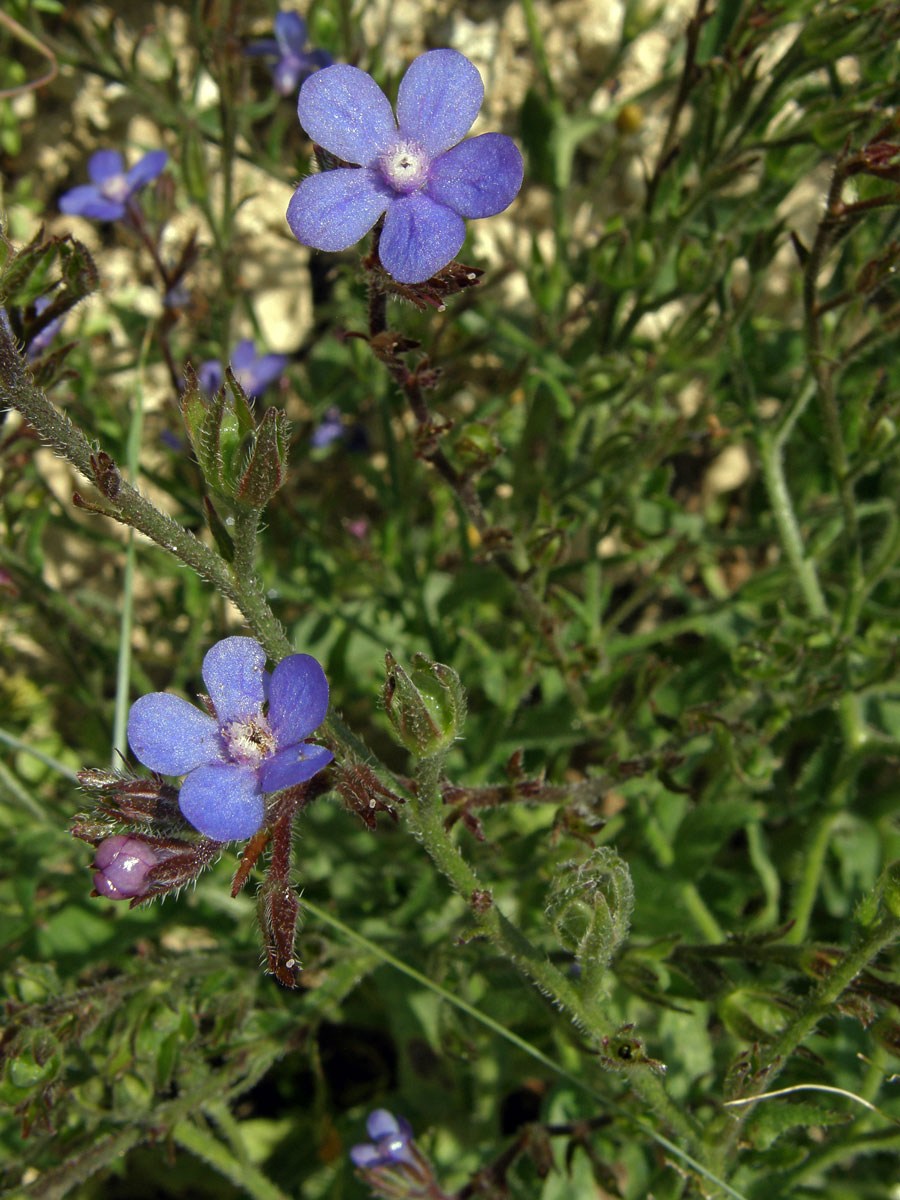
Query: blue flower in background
[[294, 62], [254, 372], [391, 1140], [41, 341], [332, 429], [230, 761], [106, 197], [415, 170], [329, 429]]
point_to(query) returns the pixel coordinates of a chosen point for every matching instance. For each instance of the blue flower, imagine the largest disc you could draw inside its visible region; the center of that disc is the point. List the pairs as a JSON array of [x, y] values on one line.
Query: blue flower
[[415, 170], [229, 762], [294, 62], [391, 1141], [106, 197], [254, 372]]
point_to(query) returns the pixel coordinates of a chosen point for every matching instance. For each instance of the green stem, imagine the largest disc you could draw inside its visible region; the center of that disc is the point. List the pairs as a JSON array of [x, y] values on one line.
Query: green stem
[[820, 1004], [829, 991], [539, 49], [123, 663], [123, 668], [702, 916], [124, 503], [47, 759], [767, 917], [807, 889], [244, 531], [425, 815], [771, 460], [242, 1174], [823, 374], [354, 936], [11, 784]]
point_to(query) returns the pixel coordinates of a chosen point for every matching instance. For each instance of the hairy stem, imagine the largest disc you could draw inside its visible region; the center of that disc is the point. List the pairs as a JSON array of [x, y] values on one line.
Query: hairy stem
[[425, 815]]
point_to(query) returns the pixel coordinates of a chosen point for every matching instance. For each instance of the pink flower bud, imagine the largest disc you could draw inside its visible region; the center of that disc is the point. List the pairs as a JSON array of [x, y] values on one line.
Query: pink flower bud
[[122, 865]]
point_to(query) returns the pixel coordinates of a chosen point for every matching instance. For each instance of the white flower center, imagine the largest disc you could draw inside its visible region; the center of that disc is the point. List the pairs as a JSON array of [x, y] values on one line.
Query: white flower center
[[115, 188], [405, 166], [250, 741]]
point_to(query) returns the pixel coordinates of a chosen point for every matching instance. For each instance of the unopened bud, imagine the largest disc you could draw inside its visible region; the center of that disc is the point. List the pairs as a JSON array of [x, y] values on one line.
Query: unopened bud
[[122, 865], [239, 459], [427, 707], [476, 446], [266, 462], [589, 907]]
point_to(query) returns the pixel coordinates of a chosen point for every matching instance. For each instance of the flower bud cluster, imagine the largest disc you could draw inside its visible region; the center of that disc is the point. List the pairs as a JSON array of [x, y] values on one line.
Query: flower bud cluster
[[240, 459], [589, 907]]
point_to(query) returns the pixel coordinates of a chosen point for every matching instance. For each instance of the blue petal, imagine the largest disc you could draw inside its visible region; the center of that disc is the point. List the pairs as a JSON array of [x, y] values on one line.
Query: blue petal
[[381, 1123], [438, 100], [233, 674], [105, 164], [298, 698], [223, 801], [345, 111], [287, 73], [210, 376], [479, 177], [86, 201], [333, 210], [148, 168], [419, 238], [266, 369], [365, 1155], [171, 736], [243, 355], [294, 764], [263, 47], [290, 31]]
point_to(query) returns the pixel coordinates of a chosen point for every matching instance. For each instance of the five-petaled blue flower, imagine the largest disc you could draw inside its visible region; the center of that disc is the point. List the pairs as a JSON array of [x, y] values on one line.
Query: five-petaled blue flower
[[106, 197], [229, 762], [391, 1137], [254, 372], [294, 62], [411, 170]]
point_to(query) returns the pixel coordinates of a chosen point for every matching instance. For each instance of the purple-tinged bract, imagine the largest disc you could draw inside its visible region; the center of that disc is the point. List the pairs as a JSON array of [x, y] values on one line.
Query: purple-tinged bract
[[121, 867], [107, 196], [248, 749], [414, 170], [254, 372], [391, 1137], [294, 61]]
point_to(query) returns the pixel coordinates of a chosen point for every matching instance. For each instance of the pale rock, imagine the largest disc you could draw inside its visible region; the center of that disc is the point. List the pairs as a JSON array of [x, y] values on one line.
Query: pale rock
[[285, 313], [727, 471]]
